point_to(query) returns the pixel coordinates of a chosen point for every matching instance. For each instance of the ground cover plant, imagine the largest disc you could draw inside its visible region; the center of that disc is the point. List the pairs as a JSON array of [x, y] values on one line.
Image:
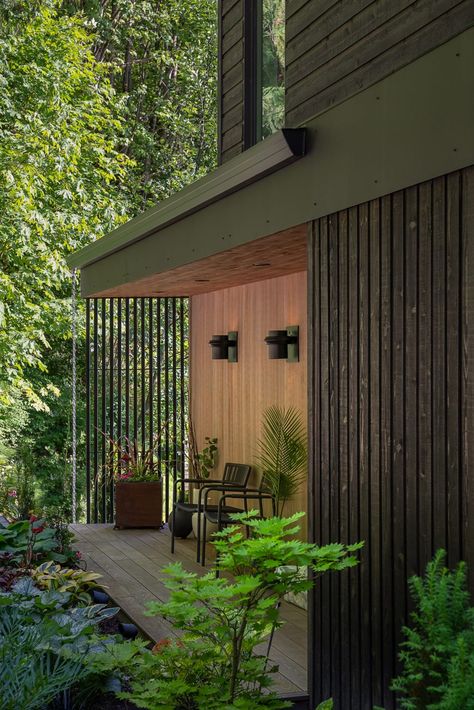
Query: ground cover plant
[[25, 543], [53, 651], [437, 654], [221, 659]]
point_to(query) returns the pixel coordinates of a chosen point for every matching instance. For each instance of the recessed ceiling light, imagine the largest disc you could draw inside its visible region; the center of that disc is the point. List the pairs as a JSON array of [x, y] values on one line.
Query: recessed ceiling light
[[201, 281], [262, 263]]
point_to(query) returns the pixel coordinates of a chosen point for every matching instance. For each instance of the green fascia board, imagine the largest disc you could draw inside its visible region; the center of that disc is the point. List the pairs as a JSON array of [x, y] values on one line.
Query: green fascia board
[[280, 149], [413, 126]]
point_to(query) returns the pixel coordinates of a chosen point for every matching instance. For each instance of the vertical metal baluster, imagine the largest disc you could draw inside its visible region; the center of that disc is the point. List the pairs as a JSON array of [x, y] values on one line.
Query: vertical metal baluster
[[96, 410], [159, 302], [167, 408], [182, 382], [110, 473], [127, 370], [104, 411], [174, 388], [119, 380], [135, 372], [143, 372], [88, 410], [150, 376]]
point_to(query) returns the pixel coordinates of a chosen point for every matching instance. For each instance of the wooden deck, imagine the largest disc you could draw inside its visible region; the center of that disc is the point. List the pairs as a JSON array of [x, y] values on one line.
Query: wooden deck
[[131, 562]]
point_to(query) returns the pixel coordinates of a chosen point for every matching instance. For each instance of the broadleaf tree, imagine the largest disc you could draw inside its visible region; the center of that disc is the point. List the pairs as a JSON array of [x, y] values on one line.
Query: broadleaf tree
[[105, 108]]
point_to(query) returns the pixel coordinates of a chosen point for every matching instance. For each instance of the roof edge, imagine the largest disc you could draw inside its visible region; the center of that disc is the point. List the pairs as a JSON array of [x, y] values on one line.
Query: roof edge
[[275, 152]]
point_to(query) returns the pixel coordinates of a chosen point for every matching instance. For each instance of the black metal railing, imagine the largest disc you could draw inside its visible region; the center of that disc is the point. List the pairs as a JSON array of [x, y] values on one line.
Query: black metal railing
[[136, 385]]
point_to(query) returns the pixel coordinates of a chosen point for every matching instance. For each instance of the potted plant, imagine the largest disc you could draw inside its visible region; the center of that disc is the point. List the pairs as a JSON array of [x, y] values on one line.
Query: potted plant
[[138, 485], [282, 454], [200, 465]]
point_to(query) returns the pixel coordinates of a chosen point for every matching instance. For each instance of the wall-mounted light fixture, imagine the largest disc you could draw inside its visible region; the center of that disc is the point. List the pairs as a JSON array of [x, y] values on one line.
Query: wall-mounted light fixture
[[283, 344], [224, 347]]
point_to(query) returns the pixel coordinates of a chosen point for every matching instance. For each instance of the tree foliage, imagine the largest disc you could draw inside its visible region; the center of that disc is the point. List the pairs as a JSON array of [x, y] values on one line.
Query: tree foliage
[[105, 107], [61, 175]]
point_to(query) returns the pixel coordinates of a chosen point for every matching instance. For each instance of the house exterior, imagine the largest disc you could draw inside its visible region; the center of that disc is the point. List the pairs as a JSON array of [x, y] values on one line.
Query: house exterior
[[355, 223]]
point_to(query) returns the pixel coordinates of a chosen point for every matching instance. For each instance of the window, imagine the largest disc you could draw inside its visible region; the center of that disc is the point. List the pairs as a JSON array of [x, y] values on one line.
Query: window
[[272, 63], [264, 85]]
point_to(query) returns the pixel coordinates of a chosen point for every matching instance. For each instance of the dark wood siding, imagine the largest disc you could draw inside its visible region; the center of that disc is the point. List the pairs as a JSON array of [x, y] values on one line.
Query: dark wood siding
[[335, 49], [231, 78], [392, 421]]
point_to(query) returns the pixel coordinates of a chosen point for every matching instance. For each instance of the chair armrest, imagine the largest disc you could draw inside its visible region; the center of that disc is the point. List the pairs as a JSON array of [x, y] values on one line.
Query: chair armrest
[[187, 480], [223, 487], [247, 496]]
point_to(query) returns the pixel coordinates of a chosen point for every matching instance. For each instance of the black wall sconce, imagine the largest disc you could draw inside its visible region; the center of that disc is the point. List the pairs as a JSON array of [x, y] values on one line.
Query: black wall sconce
[[283, 344], [224, 347]]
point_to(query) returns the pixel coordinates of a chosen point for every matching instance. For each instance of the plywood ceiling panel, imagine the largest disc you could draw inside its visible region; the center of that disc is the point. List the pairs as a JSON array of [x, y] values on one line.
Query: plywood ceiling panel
[[277, 255]]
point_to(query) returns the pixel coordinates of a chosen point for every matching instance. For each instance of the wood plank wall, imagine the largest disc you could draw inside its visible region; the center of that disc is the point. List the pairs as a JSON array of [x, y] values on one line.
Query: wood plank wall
[[231, 78], [392, 428], [336, 49], [228, 399]]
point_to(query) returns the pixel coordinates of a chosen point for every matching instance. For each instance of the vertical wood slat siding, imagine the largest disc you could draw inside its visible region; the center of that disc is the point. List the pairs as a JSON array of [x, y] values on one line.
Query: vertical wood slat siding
[[336, 49], [391, 419], [231, 78]]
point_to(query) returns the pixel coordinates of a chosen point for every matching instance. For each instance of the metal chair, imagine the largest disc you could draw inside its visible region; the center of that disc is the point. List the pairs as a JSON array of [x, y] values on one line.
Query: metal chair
[[221, 514], [235, 477]]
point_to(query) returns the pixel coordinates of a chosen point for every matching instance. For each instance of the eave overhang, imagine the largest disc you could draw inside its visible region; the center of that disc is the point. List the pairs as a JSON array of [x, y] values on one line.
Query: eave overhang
[[282, 148], [410, 127]]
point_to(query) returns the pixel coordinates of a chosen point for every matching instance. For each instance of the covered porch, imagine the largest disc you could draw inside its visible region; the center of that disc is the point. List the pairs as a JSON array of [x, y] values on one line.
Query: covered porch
[[131, 563]]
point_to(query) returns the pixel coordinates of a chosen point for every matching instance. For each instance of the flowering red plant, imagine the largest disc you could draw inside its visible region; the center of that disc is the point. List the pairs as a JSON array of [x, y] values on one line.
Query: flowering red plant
[[129, 462]]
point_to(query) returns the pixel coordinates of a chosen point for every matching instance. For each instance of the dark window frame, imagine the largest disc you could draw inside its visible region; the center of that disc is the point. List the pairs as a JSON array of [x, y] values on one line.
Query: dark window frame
[[252, 73]]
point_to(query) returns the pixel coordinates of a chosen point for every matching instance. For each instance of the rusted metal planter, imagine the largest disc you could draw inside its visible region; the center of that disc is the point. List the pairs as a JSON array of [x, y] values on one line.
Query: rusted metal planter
[[139, 505]]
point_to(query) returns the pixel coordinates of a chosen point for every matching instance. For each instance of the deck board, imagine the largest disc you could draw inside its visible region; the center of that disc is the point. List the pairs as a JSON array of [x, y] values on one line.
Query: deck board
[[131, 563]]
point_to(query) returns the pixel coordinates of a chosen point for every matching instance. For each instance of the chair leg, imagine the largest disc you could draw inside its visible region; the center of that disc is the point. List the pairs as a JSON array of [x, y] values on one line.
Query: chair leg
[[173, 518], [198, 541], [204, 526], [219, 528]]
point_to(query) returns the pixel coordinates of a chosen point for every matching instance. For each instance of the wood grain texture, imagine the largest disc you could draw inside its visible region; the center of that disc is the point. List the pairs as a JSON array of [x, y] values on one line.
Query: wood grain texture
[[266, 258], [391, 341], [228, 399], [231, 79], [333, 54], [131, 563]]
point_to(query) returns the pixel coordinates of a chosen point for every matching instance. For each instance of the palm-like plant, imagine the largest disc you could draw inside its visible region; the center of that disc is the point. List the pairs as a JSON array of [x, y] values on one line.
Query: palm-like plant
[[282, 453]]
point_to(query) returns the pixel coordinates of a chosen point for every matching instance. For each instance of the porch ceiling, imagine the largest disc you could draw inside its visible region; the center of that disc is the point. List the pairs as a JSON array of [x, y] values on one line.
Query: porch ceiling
[[276, 255]]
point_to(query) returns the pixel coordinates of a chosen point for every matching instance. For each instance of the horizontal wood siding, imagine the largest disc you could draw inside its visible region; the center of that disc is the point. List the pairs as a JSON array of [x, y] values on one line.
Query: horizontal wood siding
[[231, 78], [335, 49], [391, 299]]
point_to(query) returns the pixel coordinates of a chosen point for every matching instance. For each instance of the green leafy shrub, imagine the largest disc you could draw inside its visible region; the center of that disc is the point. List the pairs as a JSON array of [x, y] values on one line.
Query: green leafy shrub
[[30, 541], [48, 648], [438, 651], [76, 582], [31, 675], [216, 662]]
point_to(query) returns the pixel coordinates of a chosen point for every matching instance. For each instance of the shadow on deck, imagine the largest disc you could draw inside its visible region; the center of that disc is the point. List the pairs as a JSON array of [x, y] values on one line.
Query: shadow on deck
[[131, 562]]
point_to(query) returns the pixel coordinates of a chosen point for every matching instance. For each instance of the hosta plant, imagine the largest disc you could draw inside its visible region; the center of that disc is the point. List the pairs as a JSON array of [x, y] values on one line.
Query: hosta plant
[[30, 541], [225, 621], [76, 582]]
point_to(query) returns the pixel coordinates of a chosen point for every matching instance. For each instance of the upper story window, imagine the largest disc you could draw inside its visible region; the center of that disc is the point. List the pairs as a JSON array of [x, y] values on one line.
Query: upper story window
[[272, 67], [264, 82]]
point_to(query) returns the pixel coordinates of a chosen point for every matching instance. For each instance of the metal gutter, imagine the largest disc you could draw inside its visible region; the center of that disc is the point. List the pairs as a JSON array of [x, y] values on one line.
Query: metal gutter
[[280, 149]]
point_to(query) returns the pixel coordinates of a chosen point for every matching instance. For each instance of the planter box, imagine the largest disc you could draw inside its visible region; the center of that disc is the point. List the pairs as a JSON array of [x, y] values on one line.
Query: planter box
[[139, 505]]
